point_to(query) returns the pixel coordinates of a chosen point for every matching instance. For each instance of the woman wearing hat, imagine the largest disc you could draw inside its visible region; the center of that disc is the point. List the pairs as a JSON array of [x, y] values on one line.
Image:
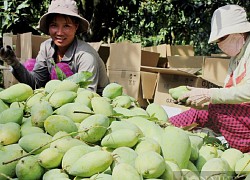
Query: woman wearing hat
[[62, 22], [228, 110]]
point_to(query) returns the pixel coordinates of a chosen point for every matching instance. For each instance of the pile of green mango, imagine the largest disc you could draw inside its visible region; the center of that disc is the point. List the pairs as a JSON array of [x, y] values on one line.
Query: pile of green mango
[[63, 131]]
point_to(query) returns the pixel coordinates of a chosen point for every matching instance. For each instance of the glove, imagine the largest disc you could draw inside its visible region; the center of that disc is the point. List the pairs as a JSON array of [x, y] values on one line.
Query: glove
[[8, 56], [198, 97]]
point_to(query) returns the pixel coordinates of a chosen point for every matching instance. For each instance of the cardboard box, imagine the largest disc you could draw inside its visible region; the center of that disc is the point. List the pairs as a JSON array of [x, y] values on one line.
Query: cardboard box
[[130, 80], [215, 70], [185, 61], [30, 45], [124, 56], [149, 58]]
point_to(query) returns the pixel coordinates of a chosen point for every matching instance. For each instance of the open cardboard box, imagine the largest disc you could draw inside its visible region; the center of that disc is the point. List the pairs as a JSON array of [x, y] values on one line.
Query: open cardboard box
[[214, 69]]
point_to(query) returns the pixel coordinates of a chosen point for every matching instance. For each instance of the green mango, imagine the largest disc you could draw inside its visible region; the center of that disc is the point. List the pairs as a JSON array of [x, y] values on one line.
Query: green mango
[[7, 154], [57, 99], [67, 85], [119, 138], [32, 141], [124, 155], [215, 168], [122, 101], [155, 110], [11, 115], [177, 92], [29, 168], [112, 90], [56, 123], [69, 111], [55, 174], [93, 128], [17, 92], [124, 171], [3, 106], [50, 158], [75, 153], [9, 133], [150, 164], [91, 163], [51, 85], [40, 112]]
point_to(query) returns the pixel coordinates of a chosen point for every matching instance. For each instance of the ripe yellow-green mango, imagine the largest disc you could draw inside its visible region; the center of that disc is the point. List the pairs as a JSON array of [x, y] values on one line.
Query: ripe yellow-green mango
[[67, 85], [40, 112], [150, 164], [56, 123], [35, 140], [177, 92], [55, 174], [119, 138], [188, 174], [11, 115], [206, 153], [215, 168], [122, 101], [124, 155], [242, 166], [57, 99], [112, 90], [91, 163], [84, 97], [93, 128], [69, 111], [176, 146], [50, 158], [25, 130], [75, 153], [29, 168], [118, 125], [18, 105], [34, 99], [124, 171], [51, 85], [64, 144], [138, 111], [147, 144], [172, 171], [157, 111], [17, 92], [9, 133], [101, 105], [3, 106], [8, 153], [123, 112], [232, 155]]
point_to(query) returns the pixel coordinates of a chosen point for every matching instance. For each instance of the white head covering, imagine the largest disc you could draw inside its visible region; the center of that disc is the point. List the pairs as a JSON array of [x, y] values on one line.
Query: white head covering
[[228, 19], [65, 7]]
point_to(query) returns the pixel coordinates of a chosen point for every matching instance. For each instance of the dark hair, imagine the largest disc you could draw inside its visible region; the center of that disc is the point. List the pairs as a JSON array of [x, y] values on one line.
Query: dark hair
[[52, 16]]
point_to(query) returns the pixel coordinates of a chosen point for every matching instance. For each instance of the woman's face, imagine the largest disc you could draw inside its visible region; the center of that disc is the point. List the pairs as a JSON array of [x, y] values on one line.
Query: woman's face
[[62, 30]]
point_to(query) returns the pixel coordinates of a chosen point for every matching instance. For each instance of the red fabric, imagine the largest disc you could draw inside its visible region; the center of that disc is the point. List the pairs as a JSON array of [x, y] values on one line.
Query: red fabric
[[238, 79], [231, 120]]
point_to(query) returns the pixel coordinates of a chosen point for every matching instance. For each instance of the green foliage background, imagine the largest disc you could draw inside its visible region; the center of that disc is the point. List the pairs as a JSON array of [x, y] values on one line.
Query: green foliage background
[[150, 22]]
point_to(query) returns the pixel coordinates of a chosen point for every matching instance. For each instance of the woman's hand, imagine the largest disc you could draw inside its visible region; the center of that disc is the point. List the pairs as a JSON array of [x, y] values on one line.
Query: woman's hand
[[8, 56], [197, 97]]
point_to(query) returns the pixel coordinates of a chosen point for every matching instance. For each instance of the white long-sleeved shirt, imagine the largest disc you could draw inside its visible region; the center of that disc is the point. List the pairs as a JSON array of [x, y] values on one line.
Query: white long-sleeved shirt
[[236, 88]]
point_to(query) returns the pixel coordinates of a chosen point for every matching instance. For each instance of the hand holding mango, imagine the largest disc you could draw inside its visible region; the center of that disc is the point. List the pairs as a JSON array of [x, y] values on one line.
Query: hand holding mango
[[178, 92]]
